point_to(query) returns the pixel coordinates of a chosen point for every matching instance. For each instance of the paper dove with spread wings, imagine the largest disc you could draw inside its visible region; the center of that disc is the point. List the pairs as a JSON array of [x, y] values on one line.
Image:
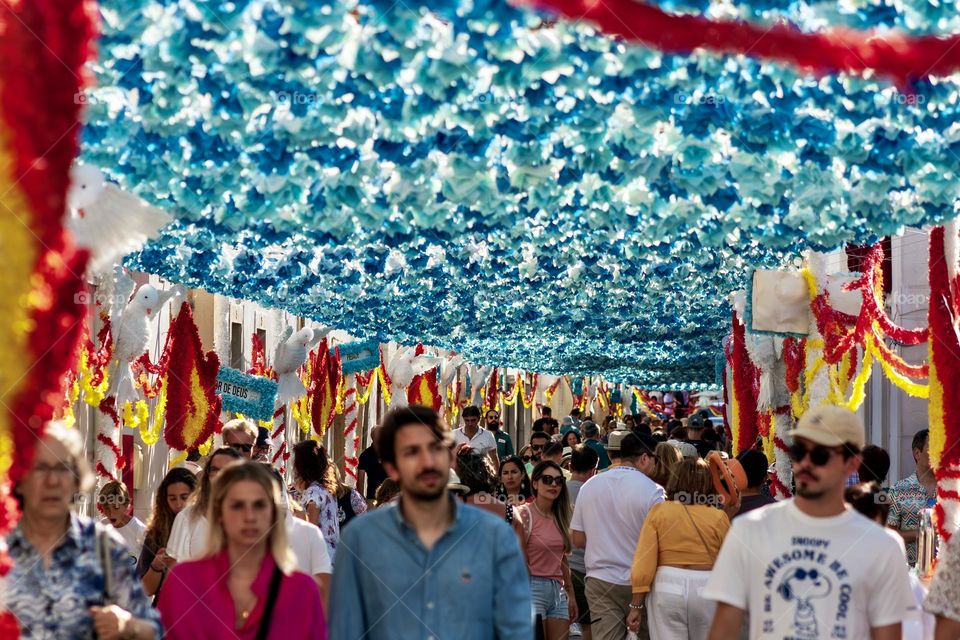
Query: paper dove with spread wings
[[108, 221], [402, 368], [131, 330], [479, 376], [448, 372], [291, 354]]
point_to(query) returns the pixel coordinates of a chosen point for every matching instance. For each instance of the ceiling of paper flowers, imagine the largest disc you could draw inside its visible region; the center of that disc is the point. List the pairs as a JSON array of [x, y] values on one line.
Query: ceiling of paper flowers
[[534, 194]]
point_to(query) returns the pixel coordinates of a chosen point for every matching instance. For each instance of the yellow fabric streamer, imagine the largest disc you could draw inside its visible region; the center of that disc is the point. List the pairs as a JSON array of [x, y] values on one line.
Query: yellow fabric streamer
[[384, 387], [204, 448], [938, 428], [150, 434], [93, 395], [911, 388]]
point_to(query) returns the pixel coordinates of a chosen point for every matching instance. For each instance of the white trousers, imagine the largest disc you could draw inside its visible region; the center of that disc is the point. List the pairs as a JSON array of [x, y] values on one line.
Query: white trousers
[[676, 609]]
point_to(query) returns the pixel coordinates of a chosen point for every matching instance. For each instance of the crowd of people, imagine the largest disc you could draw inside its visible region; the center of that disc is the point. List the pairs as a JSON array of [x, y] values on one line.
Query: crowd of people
[[587, 530]]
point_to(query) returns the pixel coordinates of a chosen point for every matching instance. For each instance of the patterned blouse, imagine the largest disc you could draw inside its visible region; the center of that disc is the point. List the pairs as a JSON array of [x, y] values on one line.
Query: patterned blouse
[[943, 598], [52, 603], [329, 521], [908, 498]]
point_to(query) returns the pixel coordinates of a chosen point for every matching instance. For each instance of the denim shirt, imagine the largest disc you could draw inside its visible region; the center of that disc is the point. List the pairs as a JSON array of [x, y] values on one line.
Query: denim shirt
[[52, 603], [472, 585]]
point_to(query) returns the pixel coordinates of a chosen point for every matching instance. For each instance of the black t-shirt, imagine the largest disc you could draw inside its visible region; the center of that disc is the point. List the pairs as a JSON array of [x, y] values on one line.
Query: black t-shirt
[[749, 503], [703, 447], [369, 463]]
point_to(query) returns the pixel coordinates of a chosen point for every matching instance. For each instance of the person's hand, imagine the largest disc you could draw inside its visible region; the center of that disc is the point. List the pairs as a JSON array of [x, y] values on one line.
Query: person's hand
[[166, 560], [572, 607], [110, 622], [633, 620]]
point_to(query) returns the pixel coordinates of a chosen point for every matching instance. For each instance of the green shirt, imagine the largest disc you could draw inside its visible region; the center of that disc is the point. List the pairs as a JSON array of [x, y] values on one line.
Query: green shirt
[[504, 443]]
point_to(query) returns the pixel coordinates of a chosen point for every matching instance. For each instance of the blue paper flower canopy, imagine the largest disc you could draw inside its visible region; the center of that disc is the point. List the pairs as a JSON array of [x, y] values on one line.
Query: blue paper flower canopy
[[609, 196]]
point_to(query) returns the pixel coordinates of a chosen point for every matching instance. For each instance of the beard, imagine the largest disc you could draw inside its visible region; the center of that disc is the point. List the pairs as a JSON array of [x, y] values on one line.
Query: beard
[[493, 426], [805, 491], [422, 493]]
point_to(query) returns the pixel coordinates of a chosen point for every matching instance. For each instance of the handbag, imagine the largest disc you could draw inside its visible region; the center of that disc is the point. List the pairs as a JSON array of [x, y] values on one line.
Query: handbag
[[267, 616]]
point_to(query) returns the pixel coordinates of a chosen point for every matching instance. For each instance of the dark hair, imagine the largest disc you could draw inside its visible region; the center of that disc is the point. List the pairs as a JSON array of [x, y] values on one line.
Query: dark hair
[[540, 424], [874, 464], [396, 419], [311, 465], [561, 505], [680, 433], [540, 435], [755, 467], [475, 472], [583, 459], [659, 436], [387, 491], [489, 411], [575, 435], [546, 412], [869, 499], [471, 412], [642, 428], [633, 445], [161, 519], [575, 412], [920, 439], [525, 490], [553, 448], [201, 497]]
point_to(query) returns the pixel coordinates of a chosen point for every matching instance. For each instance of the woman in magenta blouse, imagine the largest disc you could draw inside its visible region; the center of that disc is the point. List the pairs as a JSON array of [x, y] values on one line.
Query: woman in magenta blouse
[[245, 587]]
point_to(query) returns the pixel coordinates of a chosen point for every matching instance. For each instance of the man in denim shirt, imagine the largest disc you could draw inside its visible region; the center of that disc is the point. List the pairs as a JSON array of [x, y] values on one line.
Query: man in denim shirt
[[428, 567]]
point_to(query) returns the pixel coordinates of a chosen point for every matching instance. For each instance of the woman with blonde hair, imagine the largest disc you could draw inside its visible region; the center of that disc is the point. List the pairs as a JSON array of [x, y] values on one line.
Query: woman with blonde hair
[[667, 457], [678, 545], [246, 580]]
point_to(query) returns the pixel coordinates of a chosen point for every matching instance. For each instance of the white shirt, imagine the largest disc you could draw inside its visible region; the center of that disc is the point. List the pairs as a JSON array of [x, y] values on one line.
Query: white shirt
[[806, 577], [306, 542], [132, 534], [610, 510], [482, 441], [188, 536]]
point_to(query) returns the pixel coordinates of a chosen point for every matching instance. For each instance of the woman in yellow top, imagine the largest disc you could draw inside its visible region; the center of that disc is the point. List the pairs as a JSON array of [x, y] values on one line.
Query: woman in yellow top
[[678, 544]]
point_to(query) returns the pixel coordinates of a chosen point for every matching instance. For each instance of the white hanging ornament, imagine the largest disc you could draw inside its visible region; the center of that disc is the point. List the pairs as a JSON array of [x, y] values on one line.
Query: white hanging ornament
[[402, 368], [290, 355], [110, 223]]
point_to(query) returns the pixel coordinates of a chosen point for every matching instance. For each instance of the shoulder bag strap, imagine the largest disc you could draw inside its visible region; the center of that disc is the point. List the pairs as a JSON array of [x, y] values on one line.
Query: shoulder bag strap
[[697, 529], [271, 601], [106, 563]]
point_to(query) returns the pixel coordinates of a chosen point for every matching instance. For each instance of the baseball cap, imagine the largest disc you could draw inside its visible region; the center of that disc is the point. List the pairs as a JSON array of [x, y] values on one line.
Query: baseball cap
[[830, 426]]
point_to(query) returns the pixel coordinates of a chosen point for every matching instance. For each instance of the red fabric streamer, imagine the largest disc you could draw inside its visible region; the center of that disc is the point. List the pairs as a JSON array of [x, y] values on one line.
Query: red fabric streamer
[[793, 358], [745, 376], [898, 56]]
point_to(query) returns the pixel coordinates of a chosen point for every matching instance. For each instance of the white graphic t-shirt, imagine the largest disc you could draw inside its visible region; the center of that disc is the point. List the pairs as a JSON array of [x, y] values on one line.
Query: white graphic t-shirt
[[806, 578]]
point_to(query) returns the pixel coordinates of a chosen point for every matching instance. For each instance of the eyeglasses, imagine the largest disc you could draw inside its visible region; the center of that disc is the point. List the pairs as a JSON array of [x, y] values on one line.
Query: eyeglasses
[[245, 448], [536, 447], [526, 458], [819, 455], [59, 470], [552, 480]]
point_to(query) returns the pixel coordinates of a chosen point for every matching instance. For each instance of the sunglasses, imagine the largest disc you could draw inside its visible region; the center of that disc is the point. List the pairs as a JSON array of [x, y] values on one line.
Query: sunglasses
[[246, 448], [526, 458], [819, 455], [536, 447], [552, 480]]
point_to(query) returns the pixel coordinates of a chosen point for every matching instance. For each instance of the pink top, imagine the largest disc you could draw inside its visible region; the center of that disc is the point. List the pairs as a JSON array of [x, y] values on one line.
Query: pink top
[[195, 603], [544, 546]]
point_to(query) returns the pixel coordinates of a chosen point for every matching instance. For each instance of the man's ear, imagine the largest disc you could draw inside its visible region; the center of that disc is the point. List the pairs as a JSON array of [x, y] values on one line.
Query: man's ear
[[391, 470]]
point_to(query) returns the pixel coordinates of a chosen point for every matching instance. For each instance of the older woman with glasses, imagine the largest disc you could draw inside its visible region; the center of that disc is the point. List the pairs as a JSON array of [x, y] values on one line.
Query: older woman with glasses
[[71, 578], [544, 529]]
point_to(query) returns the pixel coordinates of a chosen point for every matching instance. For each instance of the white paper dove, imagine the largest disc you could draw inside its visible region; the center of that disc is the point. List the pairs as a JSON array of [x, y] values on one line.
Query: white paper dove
[[479, 376], [448, 372], [107, 221], [131, 335], [291, 354], [402, 368]]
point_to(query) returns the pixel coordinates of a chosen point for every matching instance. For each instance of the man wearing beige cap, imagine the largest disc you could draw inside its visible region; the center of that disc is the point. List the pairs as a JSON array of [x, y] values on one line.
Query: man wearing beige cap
[[810, 567]]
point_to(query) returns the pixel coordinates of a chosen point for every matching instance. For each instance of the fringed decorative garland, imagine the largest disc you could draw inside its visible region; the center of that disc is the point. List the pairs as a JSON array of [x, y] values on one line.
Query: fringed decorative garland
[[944, 407], [193, 408], [423, 388], [327, 375], [351, 434], [745, 377]]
